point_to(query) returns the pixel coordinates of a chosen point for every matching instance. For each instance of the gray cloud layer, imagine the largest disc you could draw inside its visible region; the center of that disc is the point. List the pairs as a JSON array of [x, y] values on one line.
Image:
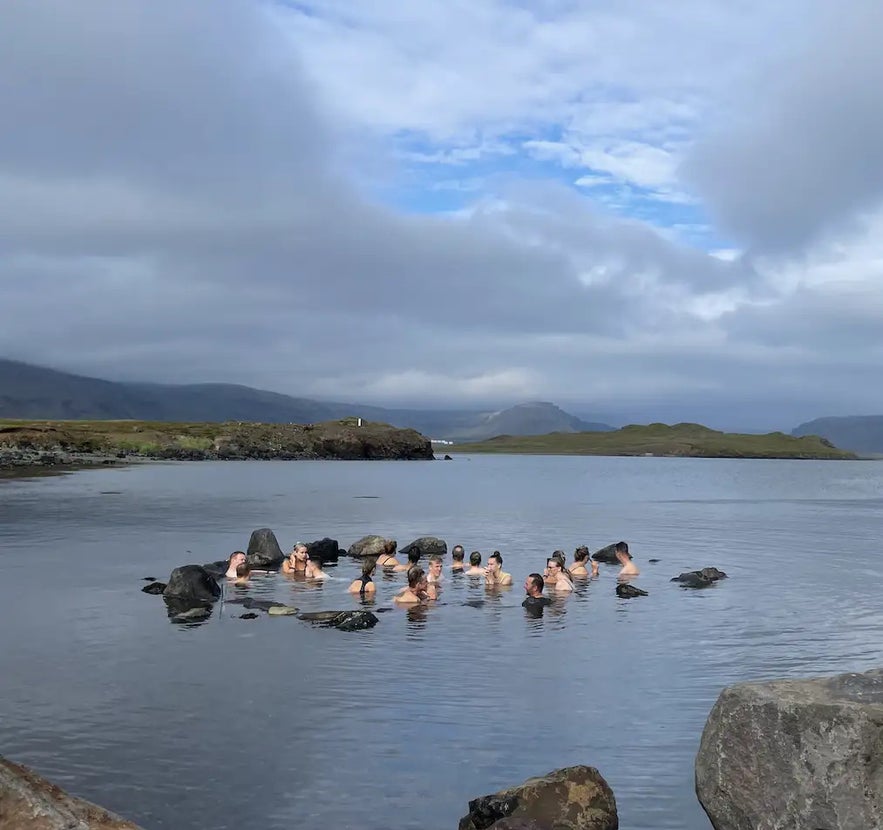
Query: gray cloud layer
[[174, 208]]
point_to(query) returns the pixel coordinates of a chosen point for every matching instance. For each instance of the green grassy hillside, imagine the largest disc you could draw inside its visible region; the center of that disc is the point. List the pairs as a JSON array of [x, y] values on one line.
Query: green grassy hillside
[[687, 440]]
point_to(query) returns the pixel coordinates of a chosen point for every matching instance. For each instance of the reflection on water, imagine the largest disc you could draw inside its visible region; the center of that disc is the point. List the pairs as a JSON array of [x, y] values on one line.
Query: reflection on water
[[270, 721]]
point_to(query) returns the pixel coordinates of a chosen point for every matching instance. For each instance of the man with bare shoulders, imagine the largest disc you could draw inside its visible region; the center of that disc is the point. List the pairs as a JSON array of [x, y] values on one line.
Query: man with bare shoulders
[[416, 592], [493, 574], [457, 556], [234, 563], [475, 568], [625, 559], [435, 570]]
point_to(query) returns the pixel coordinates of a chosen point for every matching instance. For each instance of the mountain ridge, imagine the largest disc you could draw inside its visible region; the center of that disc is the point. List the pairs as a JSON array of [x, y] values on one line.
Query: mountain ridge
[[859, 433]]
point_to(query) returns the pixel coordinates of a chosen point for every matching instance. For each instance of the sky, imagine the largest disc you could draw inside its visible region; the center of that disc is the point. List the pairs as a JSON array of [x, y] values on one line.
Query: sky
[[658, 211]]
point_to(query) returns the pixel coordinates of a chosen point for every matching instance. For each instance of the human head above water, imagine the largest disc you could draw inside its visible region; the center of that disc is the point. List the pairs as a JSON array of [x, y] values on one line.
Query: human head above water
[[236, 559], [457, 553], [435, 564], [622, 549], [497, 558], [414, 556], [475, 559], [416, 577], [559, 557], [534, 584], [581, 554], [299, 551], [369, 564]]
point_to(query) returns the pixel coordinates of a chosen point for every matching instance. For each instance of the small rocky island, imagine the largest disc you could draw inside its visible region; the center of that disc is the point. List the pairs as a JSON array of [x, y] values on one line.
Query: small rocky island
[[54, 443]]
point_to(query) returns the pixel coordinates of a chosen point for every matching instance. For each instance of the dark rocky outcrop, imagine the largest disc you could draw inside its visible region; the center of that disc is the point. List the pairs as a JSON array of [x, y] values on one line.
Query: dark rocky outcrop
[[154, 588], [428, 546], [327, 549], [795, 755], [193, 585], [263, 549], [699, 579], [28, 800], [626, 591], [341, 620], [249, 615], [448, 458], [372, 546], [606, 555], [573, 798]]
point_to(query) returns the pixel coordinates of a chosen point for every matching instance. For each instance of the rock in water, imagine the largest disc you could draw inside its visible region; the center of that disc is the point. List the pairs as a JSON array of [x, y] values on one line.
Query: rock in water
[[192, 583], [428, 546], [263, 549], [154, 588], [282, 610], [342, 620], [372, 546], [327, 548], [250, 615], [28, 800], [606, 555], [573, 798], [626, 591], [795, 755], [699, 579]]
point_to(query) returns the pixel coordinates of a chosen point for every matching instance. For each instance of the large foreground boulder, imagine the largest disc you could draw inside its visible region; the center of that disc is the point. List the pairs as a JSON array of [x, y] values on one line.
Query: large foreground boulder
[[573, 798], [327, 549], [29, 801], [263, 549], [606, 555], [372, 546], [795, 755], [428, 546], [192, 584]]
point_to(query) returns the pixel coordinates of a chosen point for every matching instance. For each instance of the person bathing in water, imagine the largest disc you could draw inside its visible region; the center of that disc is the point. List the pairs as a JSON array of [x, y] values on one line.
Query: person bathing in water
[[413, 559], [580, 560], [296, 562], [314, 568], [435, 570], [533, 587], [475, 568], [416, 592], [234, 563], [493, 573], [557, 576], [625, 559], [364, 586], [387, 559], [457, 555]]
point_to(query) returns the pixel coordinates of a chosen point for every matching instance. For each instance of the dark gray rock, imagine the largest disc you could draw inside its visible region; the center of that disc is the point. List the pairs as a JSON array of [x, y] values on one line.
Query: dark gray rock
[[196, 614], [372, 546], [341, 620], [327, 549], [699, 579], [249, 615], [448, 458], [217, 569], [428, 546], [606, 555], [573, 798], [154, 588], [626, 591], [192, 583], [263, 549], [795, 755]]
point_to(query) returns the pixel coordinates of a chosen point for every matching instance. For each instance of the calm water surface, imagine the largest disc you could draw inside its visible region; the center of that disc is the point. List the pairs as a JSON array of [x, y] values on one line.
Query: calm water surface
[[271, 723]]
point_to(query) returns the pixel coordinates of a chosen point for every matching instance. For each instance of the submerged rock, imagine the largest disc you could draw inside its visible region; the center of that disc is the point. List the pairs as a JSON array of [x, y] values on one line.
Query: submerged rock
[[327, 549], [699, 579], [263, 549], [249, 615], [29, 800], [282, 610], [192, 583], [573, 798], [197, 613], [794, 755], [428, 546], [341, 620], [626, 591], [154, 588], [606, 555], [372, 546]]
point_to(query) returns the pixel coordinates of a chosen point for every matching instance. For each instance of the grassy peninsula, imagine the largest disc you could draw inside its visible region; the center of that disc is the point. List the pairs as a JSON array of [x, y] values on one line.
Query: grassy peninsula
[[680, 440], [52, 443]]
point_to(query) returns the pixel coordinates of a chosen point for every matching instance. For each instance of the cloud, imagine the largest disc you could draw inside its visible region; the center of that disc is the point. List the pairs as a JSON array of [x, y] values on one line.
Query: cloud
[[802, 153]]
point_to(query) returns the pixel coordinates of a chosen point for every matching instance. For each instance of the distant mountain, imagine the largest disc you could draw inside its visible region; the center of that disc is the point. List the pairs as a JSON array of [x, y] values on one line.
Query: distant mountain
[[28, 391], [859, 433], [535, 418]]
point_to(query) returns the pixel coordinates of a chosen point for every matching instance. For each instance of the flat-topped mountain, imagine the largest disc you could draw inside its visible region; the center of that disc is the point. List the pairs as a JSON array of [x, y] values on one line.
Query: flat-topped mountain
[[859, 433], [28, 391]]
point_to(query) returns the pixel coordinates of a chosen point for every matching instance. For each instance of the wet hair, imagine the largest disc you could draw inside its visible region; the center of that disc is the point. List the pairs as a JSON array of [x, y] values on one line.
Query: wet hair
[[498, 556], [243, 570], [415, 577], [414, 555], [369, 563], [303, 545], [435, 558], [581, 554], [458, 553], [538, 581], [559, 556], [622, 547], [560, 563], [475, 559], [235, 553]]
